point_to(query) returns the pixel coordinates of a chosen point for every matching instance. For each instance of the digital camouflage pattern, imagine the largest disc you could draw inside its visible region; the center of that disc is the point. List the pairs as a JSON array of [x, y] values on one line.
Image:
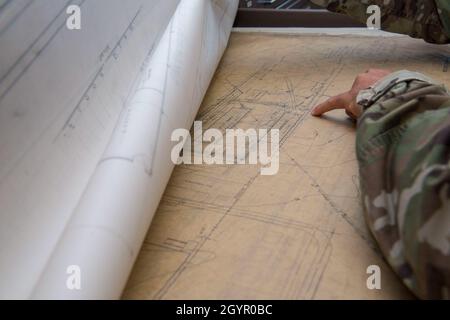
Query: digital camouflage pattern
[[425, 19], [403, 151]]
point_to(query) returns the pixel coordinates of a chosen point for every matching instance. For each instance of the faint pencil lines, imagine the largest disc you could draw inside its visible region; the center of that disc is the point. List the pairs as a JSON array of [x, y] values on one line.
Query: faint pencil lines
[[335, 208]]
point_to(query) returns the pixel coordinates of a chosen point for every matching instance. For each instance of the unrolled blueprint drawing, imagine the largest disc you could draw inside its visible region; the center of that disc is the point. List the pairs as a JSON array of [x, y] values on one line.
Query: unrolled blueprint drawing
[[85, 123]]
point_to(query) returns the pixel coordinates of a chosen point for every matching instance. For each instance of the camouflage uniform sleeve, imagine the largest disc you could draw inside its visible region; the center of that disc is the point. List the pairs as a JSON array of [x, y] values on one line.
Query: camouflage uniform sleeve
[[425, 19], [403, 151]]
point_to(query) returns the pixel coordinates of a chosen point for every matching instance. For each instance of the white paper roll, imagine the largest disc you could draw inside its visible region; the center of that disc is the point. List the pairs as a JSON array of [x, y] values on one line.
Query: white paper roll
[[65, 204], [136, 71]]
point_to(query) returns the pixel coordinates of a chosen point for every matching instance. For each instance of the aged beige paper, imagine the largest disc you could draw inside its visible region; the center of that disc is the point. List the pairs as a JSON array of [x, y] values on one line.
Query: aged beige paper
[[227, 232]]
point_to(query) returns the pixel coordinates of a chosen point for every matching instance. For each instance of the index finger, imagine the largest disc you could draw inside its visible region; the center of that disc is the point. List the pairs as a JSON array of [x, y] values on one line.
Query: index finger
[[337, 102]]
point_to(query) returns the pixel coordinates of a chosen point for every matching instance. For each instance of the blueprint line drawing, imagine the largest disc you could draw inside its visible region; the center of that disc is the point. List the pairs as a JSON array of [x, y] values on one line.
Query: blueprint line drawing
[[225, 232]]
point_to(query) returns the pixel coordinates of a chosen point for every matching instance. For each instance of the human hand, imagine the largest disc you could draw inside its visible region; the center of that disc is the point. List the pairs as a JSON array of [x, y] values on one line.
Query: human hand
[[347, 100]]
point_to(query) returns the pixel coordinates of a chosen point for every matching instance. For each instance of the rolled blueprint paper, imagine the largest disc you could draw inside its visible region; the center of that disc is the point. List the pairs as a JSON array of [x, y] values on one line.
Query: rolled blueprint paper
[[107, 227], [61, 94]]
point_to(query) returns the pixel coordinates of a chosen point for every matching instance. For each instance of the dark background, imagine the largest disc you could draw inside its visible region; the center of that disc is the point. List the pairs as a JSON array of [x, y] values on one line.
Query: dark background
[[288, 14]]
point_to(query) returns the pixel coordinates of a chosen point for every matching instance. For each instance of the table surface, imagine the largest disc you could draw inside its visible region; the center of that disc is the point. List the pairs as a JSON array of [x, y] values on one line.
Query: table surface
[[228, 232]]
